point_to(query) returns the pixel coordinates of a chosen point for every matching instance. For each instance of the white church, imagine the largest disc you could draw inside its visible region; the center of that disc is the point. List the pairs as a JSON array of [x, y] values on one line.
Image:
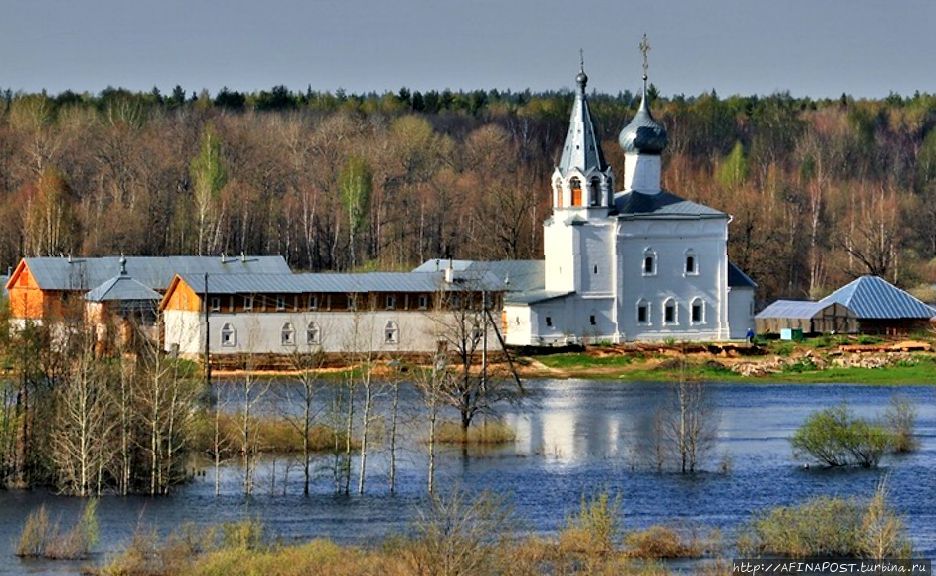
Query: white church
[[635, 265]]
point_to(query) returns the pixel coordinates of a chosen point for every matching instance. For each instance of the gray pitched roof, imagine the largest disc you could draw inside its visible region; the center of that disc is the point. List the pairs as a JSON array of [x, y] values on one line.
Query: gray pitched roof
[[122, 288], [737, 278], [873, 298], [662, 205], [533, 296], [61, 273], [582, 148], [524, 275], [340, 283], [794, 309]]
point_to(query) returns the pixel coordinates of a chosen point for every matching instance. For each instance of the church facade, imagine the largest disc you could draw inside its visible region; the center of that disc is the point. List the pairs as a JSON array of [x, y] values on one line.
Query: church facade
[[638, 264]]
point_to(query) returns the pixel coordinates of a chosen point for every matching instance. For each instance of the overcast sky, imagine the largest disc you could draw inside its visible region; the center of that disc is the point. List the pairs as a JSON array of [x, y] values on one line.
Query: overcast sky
[[808, 47]]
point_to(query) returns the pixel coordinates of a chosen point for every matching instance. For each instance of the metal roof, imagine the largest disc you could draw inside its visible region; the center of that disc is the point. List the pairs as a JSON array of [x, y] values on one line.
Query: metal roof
[[68, 273], [794, 309], [737, 278], [873, 298], [122, 288], [340, 283], [523, 275], [663, 204], [533, 296], [582, 148]]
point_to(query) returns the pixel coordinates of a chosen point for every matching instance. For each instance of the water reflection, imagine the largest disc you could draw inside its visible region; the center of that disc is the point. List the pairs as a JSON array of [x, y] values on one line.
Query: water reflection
[[575, 438]]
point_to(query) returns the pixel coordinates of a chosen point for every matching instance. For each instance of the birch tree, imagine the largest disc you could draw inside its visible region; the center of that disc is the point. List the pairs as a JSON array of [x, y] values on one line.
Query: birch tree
[[208, 177], [82, 425]]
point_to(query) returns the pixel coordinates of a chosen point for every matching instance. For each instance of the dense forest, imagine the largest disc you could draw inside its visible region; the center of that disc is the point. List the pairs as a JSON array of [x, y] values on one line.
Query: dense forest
[[820, 190]]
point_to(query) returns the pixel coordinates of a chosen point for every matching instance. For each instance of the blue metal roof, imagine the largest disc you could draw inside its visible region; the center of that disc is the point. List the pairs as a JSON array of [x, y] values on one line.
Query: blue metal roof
[[68, 273], [661, 205], [793, 309], [737, 278], [122, 288], [533, 296], [873, 298], [523, 275], [341, 283]]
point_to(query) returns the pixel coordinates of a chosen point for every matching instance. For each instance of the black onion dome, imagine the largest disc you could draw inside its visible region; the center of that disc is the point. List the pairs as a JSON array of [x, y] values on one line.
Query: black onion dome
[[643, 135]]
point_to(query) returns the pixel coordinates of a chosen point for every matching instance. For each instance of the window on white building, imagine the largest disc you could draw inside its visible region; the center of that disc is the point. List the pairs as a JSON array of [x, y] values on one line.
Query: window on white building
[[698, 311], [288, 335], [595, 269], [692, 263], [592, 320], [228, 335], [352, 302], [215, 303], [391, 333], [669, 312], [248, 303], [643, 312], [313, 302], [313, 334], [548, 321], [390, 302], [280, 302], [423, 301], [649, 265]]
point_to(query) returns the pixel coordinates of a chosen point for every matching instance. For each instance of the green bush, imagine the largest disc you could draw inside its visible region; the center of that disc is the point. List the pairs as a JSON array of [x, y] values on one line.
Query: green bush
[[828, 527], [901, 417], [835, 437]]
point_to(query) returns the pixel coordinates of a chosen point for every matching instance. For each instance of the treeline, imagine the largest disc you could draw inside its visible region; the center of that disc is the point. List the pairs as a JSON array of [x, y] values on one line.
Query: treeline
[[820, 190]]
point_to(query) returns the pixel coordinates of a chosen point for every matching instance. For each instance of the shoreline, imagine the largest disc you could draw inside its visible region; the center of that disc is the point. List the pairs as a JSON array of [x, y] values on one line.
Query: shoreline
[[897, 363]]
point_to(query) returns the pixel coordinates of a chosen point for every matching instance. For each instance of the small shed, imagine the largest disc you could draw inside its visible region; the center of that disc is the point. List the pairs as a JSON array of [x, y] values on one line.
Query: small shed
[[810, 317], [881, 307]]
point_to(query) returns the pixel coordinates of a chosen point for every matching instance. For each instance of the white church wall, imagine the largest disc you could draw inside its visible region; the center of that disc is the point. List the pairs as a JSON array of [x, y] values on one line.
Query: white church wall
[[669, 243], [740, 311], [595, 267], [561, 251]]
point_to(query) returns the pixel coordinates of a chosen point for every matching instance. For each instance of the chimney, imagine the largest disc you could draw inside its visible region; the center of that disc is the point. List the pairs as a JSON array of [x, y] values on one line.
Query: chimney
[[449, 274], [243, 256], [223, 258]]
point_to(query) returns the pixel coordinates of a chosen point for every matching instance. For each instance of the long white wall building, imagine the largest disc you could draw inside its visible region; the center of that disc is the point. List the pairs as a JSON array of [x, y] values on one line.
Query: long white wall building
[[384, 313]]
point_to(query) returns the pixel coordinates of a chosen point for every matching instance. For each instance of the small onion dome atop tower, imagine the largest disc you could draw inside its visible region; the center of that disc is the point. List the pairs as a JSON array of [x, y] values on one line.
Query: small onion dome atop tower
[[643, 135]]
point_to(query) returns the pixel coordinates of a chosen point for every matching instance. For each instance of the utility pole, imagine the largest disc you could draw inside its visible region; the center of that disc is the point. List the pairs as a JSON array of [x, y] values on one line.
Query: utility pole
[[207, 338]]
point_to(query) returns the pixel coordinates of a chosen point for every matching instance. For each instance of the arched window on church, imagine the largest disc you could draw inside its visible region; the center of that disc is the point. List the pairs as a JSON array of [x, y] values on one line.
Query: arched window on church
[[670, 312], [648, 266], [697, 309], [643, 312], [576, 185], [594, 192], [557, 190], [692, 263]]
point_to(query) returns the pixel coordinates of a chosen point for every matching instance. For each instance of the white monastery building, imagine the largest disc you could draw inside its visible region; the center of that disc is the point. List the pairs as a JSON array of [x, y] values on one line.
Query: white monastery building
[[638, 264]]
